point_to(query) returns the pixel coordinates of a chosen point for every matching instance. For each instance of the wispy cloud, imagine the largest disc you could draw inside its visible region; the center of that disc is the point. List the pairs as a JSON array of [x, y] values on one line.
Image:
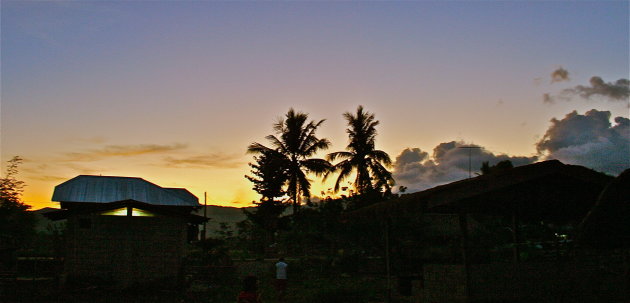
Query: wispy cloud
[[619, 90], [215, 160], [91, 140], [613, 91], [121, 151], [47, 178]]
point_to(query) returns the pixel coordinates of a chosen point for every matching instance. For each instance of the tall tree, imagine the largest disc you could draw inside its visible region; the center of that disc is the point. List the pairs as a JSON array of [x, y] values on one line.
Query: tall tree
[[362, 156], [293, 145], [268, 175], [16, 223], [10, 187]]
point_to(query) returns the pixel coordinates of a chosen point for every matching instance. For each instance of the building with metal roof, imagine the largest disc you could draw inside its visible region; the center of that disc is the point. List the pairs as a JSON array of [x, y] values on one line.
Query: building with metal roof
[[119, 228], [106, 189]]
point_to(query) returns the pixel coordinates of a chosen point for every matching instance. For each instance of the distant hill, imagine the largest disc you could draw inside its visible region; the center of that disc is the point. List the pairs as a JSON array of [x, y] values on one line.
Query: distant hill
[[222, 214], [43, 224], [217, 215]]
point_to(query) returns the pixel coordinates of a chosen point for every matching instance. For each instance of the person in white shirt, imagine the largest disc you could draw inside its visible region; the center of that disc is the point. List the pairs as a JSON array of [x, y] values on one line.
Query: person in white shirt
[[281, 278]]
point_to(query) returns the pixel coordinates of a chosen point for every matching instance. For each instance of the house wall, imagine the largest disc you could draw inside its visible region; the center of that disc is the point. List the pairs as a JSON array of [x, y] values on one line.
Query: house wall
[[125, 250]]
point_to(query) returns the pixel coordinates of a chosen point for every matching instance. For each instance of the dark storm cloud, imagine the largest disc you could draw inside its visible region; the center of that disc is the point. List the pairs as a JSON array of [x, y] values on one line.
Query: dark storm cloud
[[414, 168], [589, 140], [559, 75]]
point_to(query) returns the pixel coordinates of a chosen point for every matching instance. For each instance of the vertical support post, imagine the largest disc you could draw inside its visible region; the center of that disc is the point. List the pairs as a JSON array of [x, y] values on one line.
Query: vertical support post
[[205, 215], [515, 237], [516, 251], [387, 262], [469, 163], [463, 226]]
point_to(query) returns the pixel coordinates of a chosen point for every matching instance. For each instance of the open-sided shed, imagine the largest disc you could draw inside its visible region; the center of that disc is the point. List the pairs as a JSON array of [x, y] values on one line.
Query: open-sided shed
[[549, 192]]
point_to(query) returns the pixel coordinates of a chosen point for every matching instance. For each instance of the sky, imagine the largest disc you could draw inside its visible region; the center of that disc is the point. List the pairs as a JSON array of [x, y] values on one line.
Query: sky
[[175, 91]]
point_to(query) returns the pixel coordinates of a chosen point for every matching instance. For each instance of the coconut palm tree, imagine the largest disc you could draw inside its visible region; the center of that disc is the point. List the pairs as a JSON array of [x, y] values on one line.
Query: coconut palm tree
[[361, 155], [293, 146]]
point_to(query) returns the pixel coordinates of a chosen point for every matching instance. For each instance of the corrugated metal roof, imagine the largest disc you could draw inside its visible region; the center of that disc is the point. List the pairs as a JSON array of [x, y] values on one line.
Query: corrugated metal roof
[[105, 189]]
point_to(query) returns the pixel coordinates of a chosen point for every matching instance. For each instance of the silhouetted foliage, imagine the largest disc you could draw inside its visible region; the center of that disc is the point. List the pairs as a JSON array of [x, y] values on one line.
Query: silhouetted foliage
[[361, 155], [293, 146], [267, 215], [269, 176], [504, 165], [16, 223], [258, 231]]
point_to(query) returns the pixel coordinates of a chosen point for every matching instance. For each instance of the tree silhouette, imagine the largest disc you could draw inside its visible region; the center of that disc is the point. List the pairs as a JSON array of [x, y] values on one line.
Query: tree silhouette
[[16, 223], [293, 146], [268, 175], [504, 165], [361, 155]]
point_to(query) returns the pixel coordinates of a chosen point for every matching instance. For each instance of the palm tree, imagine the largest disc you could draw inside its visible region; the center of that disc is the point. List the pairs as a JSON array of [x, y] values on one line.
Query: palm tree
[[360, 155], [293, 146]]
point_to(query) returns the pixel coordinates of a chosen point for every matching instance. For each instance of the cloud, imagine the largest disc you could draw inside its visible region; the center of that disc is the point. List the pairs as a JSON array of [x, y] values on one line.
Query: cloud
[[90, 140], [614, 91], [589, 140], [619, 90], [215, 160], [121, 151], [416, 170], [47, 178], [559, 75]]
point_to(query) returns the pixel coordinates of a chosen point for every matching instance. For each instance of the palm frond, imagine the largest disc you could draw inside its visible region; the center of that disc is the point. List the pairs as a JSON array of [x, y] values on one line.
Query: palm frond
[[345, 170], [381, 156], [317, 166], [256, 148], [339, 155]]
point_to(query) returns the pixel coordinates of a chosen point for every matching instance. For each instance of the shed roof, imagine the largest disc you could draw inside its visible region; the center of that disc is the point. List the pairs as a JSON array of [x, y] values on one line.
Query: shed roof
[[548, 189], [105, 189]]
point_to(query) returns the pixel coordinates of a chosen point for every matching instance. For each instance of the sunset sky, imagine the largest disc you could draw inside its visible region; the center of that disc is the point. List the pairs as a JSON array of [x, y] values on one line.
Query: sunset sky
[[174, 92]]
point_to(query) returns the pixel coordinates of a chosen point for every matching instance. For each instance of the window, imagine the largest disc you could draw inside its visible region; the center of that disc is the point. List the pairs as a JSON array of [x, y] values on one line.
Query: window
[[125, 211]]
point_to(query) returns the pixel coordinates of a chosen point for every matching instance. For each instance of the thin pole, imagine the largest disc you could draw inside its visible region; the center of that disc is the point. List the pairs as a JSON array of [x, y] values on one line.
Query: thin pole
[[205, 213], [387, 266], [469, 163], [469, 147], [463, 226]]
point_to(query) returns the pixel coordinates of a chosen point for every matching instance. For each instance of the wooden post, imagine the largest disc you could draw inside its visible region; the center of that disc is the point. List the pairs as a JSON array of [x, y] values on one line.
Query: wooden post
[[515, 237], [205, 215], [463, 226], [516, 251], [387, 263]]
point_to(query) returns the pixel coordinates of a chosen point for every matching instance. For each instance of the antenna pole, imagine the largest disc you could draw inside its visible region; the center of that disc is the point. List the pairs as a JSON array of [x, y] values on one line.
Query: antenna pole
[[469, 147]]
